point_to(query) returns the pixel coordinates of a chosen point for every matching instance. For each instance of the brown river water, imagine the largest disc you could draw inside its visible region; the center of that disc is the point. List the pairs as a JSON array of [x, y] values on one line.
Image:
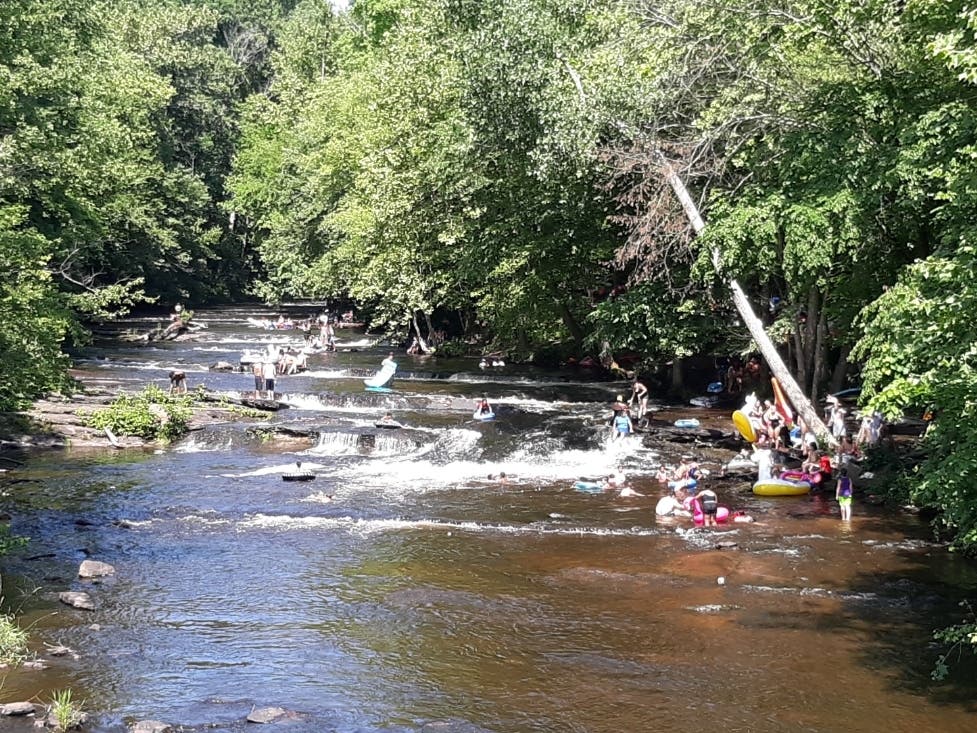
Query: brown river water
[[424, 597]]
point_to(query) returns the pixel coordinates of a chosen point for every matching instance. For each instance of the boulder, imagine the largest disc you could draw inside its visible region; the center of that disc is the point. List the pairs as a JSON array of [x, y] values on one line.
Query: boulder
[[95, 569], [266, 715], [17, 708], [222, 366], [78, 599]]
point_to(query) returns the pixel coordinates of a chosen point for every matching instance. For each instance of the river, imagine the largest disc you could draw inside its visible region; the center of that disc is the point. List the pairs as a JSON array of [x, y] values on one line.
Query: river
[[425, 597]]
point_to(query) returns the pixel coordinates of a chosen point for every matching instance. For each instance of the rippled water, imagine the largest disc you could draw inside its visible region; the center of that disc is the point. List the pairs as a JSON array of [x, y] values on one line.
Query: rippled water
[[423, 596]]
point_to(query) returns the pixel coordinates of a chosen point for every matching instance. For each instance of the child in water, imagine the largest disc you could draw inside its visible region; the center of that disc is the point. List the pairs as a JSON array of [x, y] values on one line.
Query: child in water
[[843, 492]]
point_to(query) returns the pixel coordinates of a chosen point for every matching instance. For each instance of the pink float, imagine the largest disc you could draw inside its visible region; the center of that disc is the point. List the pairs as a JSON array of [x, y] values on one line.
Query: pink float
[[796, 475], [722, 513]]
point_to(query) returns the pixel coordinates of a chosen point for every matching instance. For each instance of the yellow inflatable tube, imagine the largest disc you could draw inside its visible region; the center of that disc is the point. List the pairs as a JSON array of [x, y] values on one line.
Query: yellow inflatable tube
[[743, 424], [780, 487]]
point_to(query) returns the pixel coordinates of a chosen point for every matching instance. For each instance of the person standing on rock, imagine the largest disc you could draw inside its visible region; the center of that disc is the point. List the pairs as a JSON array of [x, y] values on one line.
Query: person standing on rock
[[257, 370], [269, 370], [639, 398]]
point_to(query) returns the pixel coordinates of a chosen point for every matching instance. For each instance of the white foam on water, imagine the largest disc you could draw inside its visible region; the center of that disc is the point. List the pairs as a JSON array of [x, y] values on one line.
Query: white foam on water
[[788, 551], [191, 445], [411, 474], [326, 374], [374, 526], [280, 469], [319, 497]]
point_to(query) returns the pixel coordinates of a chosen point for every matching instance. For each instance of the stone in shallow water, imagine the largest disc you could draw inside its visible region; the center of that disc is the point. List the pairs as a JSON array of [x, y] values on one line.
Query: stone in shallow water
[[78, 599], [17, 708], [150, 726], [266, 715], [95, 569]]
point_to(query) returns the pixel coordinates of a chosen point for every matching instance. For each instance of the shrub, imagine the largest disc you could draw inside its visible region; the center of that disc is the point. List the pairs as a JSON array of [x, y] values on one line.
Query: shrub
[[13, 641], [453, 348], [151, 414]]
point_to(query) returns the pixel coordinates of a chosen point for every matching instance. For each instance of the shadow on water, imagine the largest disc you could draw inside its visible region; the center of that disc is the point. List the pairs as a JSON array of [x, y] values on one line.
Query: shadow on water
[[899, 610]]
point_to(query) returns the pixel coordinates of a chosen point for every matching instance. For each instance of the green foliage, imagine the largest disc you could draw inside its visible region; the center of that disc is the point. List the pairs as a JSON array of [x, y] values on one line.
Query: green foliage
[[647, 320], [13, 642], [35, 318], [961, 638], [9, 541], [151, 414], [454, 347]]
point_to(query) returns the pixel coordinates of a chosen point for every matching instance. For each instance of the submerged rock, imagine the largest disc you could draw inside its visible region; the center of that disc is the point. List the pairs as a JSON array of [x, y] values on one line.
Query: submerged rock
[[78, 599], [150, 726]]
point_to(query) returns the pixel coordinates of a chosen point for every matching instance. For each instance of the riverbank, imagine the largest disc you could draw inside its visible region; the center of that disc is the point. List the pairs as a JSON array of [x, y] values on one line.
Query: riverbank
[[63, 421]]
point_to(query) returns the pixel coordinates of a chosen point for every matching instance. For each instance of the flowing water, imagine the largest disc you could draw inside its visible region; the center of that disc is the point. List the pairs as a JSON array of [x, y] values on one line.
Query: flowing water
[[424, 596]]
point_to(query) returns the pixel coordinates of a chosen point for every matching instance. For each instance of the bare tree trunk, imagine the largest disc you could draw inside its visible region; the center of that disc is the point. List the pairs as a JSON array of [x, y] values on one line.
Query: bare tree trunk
[[820, 354], [421, 342], [753, 324], [808, 378], [571, 323], [841, 369], [678, 376]]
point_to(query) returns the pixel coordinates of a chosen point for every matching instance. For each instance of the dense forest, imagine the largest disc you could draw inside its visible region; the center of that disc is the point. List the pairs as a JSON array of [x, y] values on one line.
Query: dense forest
[[497, 170]]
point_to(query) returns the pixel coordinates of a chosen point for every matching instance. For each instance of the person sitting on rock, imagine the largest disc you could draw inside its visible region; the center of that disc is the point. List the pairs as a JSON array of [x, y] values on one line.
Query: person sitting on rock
[[178, 382]]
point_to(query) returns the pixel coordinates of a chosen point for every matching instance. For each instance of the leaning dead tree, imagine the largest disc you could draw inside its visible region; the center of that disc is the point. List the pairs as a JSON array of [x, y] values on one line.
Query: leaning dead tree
[[753, 324]]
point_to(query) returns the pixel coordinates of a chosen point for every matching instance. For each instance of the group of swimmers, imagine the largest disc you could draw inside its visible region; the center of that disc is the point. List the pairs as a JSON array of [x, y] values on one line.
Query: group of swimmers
[[686, 498]]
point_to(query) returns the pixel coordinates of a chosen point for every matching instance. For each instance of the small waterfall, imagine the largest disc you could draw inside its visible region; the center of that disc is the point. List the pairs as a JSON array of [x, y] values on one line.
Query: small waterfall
[[338, 444]]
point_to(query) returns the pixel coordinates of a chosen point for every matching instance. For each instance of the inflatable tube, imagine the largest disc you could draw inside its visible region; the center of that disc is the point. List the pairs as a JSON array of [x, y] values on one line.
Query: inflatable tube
[[588, 487], [781, 403], [690, 422], [722, 516], [301, 476], [715, 388], [381, 378], [797, 475], [689, 484], [665, 507], [744, 426], [483, 416], [388, 424], [780, 487]]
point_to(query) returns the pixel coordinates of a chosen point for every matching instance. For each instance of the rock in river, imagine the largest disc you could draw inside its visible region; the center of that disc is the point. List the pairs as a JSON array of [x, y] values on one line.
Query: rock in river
[[78, 599], [266, 715], [95, 569]]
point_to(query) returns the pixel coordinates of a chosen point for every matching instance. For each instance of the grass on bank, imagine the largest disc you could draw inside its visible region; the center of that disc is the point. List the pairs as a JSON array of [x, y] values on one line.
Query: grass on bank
[[151, 414], [13, 641], [67, 714]]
